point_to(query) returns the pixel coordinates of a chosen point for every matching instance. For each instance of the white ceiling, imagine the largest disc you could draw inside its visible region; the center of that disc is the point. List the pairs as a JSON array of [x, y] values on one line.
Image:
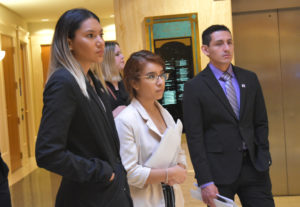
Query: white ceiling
[[36, 10]]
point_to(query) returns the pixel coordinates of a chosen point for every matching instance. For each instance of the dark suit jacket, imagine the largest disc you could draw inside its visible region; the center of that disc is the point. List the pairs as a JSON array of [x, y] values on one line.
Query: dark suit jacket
[[3, 170], [78, 140], [215, 135], [122, 96]]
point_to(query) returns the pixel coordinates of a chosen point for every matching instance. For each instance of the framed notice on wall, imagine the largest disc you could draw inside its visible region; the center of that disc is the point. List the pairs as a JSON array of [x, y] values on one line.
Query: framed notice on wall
[[175, 38]]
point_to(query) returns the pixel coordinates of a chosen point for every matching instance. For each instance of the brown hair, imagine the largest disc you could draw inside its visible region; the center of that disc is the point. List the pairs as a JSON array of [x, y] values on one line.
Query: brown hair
[[135, 65]]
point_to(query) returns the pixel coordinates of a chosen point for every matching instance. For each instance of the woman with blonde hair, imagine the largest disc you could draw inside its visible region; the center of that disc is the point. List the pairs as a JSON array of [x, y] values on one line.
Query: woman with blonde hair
[[112, 65], [77, 138]]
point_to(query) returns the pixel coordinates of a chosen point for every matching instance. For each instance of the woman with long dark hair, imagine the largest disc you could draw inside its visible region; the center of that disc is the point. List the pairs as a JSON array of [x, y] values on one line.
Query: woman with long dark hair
[[77, 138]]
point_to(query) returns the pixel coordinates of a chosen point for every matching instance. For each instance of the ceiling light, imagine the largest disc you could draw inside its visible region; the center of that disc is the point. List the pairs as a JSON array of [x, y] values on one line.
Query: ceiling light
[[112, 16], [45, 20]]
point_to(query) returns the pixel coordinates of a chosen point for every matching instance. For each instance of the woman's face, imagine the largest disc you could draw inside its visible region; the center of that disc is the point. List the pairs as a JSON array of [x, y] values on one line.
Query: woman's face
[[88, 45], [149, 86], [119, 58]]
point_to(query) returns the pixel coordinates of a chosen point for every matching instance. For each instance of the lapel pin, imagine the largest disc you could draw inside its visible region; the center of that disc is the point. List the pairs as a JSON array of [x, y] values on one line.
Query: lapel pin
[[243, 85]]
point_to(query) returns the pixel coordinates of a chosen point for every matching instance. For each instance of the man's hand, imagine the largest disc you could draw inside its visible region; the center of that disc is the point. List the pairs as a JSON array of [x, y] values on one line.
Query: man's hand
[[209, 193]]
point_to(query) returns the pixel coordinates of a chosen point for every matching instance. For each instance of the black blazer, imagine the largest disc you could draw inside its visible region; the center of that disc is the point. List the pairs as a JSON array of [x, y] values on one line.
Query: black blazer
[[121, 95], [3, 170], [78, 140], [215, 135]]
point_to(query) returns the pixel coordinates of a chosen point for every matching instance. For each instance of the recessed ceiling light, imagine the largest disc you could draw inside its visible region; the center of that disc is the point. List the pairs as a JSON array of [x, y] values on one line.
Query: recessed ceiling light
[[112, 16], [45, 20]]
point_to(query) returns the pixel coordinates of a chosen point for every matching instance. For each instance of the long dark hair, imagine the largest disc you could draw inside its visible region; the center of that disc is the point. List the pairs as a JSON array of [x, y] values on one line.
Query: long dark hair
[[61, 55]]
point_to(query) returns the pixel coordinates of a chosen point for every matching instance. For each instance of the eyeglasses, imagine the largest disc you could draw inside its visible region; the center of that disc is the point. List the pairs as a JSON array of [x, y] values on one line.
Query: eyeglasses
[[154, 77]]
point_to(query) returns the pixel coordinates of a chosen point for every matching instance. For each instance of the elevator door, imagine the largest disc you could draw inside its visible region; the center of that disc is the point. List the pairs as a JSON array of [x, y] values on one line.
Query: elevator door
[[289, 32], [266, 43]]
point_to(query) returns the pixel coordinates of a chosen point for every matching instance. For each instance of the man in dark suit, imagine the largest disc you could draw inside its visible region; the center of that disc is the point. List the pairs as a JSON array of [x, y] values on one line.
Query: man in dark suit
[[4, 189], [227, 126]]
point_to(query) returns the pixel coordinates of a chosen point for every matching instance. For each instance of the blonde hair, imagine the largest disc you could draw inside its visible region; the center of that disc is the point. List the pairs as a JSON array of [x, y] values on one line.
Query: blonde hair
[[108, 66], [96, 68], [61, 56]]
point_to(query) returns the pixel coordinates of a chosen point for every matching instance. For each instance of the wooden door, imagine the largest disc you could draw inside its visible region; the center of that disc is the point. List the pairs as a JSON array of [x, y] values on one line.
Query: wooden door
[[46, 49], [11, 102]]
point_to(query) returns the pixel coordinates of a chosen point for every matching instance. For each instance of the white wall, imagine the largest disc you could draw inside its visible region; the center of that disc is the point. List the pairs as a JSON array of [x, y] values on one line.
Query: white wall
[[109, 28]]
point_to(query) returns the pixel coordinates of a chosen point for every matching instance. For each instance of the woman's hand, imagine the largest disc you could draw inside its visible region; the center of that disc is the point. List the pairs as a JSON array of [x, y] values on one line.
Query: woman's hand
[[182, 165], [112, 177], [176, 175]]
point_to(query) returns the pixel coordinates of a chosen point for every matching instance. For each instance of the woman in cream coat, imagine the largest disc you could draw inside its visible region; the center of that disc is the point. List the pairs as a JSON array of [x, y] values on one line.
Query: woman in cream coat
[[142, 126]]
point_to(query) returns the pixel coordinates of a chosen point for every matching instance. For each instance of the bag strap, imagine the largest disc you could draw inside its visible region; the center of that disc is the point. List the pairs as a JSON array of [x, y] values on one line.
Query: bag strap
[[111, 92]]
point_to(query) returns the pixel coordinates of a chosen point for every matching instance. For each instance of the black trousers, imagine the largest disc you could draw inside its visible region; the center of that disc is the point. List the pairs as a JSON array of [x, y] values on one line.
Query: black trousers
[[4, 194], [253, 188]]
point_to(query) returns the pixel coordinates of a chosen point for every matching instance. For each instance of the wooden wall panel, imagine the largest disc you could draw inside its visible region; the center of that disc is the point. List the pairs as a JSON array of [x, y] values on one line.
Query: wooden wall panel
[[46, 49], [259, 5], [129, 18]]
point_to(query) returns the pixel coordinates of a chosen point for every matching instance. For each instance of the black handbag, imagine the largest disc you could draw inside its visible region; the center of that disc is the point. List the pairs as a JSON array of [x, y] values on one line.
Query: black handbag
[[169, 195]]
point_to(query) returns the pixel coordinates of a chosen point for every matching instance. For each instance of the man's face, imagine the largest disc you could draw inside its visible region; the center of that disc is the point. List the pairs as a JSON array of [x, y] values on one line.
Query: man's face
[[220, 49]]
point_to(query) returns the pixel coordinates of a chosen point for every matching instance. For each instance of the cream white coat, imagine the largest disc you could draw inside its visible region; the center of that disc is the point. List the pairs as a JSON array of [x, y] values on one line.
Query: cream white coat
[[139, 137]]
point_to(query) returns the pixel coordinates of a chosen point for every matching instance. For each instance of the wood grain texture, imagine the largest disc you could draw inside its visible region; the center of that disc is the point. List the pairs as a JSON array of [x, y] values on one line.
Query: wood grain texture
[[11, 102], [130, 14]]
